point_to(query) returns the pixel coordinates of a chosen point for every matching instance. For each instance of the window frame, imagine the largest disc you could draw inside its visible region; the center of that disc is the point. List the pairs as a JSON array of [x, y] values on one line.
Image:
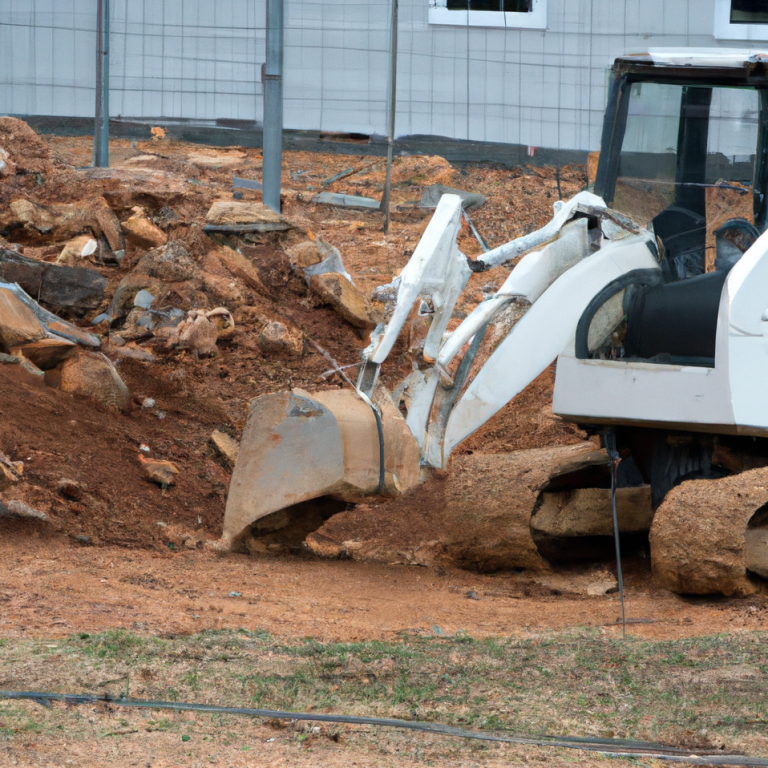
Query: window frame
[[536, 18], [725, 30]]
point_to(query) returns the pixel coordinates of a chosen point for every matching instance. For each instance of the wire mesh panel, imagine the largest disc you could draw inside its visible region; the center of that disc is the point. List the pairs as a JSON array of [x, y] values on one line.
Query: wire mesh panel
[[531, 73], [47, 55], [192, 59]]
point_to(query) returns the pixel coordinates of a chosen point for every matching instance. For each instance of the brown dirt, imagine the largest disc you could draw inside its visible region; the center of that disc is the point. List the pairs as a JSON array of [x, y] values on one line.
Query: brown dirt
[[52, 587], [133, 573], [58, 435]]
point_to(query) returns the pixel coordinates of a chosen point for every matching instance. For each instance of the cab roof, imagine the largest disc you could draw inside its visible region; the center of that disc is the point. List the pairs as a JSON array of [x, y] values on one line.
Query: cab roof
[[735, 66]]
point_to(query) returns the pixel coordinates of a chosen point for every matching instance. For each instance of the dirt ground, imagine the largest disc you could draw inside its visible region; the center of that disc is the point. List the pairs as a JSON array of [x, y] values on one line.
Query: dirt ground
[[52, 587], [116, 557], [58, 435]]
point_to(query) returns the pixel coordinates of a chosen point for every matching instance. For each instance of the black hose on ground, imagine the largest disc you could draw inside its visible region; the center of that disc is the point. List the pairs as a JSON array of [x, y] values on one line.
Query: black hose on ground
[[609, 747]]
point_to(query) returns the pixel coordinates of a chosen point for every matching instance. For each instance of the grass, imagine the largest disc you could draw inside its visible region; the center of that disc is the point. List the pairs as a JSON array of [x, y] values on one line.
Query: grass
[[696, 692]]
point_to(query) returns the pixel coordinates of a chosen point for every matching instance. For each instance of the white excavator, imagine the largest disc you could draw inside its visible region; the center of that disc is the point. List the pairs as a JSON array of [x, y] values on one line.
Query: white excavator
[[649, 289]]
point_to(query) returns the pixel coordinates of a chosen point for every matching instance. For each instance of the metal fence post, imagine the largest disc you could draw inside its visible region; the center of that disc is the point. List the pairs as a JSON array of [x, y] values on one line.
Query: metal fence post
[[101, 127], [391, 116], [273, 106]]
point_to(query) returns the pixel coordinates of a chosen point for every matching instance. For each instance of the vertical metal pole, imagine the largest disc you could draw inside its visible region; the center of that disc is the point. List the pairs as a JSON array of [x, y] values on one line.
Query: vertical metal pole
[[101, 126], [613, 456], [392, 106], [273, 106]]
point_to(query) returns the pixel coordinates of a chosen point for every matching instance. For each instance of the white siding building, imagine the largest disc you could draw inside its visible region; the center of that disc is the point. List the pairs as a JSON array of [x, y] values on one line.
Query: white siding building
[[535, 78]]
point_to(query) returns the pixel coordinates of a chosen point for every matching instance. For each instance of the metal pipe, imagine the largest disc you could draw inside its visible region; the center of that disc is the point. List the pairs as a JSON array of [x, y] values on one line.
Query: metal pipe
[[273, 106], [101, 126], [391, 116]]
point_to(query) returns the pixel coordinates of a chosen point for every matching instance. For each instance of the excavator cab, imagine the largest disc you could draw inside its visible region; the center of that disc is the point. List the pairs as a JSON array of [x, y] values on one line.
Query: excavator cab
[[683, 153], [684, 150]]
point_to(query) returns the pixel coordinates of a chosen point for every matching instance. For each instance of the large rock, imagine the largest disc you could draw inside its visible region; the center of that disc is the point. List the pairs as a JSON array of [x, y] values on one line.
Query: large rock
[[699, 534], [303, 255], [587, 512], [28, 152], [171, 263], [70, 288], [233, 216], [126, 291], [45, 353], [348, 301], [140, 230], [54, 325], [80, 247], [18, 324], [62, 221], [241, 268], [226, 447], [278, 338], [93, 375]]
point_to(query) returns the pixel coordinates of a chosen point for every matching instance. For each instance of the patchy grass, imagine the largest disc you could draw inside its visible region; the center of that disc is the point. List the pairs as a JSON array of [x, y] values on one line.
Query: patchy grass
[[699, 692]]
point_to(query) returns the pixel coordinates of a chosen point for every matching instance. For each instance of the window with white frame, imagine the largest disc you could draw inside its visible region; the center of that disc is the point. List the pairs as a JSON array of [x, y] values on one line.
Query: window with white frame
[[741, 19], [513, 14]]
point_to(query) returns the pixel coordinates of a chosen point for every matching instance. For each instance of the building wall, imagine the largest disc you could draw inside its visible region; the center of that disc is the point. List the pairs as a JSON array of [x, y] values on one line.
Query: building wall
[[201, 59]]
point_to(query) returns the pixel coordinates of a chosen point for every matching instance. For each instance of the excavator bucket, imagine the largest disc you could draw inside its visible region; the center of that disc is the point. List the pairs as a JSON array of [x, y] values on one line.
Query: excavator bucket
[[298, 446]]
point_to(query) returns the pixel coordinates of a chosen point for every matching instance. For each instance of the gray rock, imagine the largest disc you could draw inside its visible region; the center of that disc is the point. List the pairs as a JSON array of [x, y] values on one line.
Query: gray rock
[[73, 288], [18, 510], [148, 402], [143, 299]]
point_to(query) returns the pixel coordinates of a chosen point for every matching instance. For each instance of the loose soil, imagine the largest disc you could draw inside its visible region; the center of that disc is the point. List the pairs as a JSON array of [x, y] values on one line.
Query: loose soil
[[128, 555]]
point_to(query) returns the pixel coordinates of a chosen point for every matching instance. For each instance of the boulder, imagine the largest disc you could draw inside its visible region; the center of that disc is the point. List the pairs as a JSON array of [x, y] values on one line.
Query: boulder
[[81, 247], [126, 291], [226, 447], [197, 334], [587, 512], [223, 289], [93, 375], [159, 471], [477, 516], [699, 535], [139, 230], [26, 149], [234, 216], [18, 324], [45, 353], [61, 221], [69, 488], [241, 268], [54, 325], [171, 263], [348, 301], [277, 338], [70, 288], [303, 255], [18, 510]]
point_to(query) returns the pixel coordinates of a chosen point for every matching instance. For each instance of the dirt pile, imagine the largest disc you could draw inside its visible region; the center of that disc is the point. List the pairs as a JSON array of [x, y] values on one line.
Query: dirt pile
[[476, 516], [200, 303], [21, 149]]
